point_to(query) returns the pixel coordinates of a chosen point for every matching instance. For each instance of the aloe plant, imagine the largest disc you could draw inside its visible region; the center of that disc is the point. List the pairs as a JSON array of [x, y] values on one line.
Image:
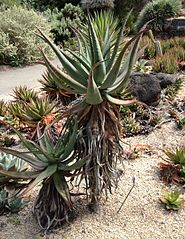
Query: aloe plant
[[177, 156], [54, 90], [172, 200], [52, 161], [96, 73], [101, 21], [3, 108], [33, 112], [24, 94]]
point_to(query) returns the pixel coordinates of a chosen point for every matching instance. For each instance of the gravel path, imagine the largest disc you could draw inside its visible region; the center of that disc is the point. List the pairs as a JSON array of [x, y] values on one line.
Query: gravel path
[[22, 76]]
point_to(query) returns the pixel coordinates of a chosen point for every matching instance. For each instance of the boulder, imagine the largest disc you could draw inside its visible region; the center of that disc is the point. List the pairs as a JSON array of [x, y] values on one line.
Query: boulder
[[146, 88], [175, 26], [166, 79]]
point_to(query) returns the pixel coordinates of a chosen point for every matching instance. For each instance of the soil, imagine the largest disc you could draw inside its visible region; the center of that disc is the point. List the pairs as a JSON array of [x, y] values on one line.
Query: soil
[[141, 217]]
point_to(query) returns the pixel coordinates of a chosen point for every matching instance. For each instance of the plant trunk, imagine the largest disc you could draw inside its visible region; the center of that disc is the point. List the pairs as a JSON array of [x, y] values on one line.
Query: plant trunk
[[50, 209], [99, 140]]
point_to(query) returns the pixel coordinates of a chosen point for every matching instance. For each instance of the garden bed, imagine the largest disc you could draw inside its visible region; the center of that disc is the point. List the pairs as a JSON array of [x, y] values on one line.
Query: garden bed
[[141, 216]]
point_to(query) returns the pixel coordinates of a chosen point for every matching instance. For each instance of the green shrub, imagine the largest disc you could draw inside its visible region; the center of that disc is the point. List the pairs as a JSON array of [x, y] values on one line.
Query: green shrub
[[121, 9], [18, 43], [62, 21], [42, 5], [158, 11], [94, 4], [9, 3]]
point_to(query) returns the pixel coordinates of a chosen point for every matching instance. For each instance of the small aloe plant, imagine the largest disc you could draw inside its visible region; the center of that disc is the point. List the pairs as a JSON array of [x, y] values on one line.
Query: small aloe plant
[[23, 93], [52, 161], [55, 91], [172, 200], [177, 156]]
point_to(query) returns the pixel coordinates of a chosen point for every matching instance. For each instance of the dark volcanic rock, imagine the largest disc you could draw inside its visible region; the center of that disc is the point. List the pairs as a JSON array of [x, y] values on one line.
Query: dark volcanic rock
[[175, 26], [166, 79], [146, 88]]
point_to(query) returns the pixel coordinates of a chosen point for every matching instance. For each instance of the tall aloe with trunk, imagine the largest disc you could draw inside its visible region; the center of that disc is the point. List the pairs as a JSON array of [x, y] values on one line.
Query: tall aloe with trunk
[[52, 161], [97, 73]]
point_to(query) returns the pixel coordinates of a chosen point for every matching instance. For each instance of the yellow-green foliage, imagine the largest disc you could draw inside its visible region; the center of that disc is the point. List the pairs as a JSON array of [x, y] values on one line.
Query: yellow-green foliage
[[166, 64], [18, 43]]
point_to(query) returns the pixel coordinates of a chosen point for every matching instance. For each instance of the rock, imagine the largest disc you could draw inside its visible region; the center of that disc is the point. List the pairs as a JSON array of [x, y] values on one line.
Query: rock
[[166, 79], [175, 26], [146, 88]]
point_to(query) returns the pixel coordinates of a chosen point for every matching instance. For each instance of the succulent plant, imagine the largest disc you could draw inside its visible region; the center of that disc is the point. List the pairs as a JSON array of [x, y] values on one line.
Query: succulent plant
[[54, 90], [9, 203], [33, 112], [101, 21], [36, 110], [10, 162], [170, 173], [140, 66], [97, 73], [172, 200], [177, 156], [22, 93], [172, 90], [2, 107], [51, 161]]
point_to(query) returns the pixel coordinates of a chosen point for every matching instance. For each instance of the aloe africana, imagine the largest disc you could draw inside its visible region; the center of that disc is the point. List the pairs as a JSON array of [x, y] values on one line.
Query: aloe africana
[[97, 73]]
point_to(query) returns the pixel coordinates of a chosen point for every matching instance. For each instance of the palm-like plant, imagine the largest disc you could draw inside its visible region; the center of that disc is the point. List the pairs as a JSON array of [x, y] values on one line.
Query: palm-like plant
[[52, 161], [97, 73]]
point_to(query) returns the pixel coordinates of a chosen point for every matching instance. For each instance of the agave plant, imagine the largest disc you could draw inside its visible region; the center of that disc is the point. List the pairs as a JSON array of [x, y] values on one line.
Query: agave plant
[[11, 163], [9, 187], [52, 161], [97, 74]]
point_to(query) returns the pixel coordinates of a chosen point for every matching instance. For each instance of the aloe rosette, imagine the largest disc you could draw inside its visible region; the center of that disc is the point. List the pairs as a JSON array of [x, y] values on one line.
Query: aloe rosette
[[52, 161]]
